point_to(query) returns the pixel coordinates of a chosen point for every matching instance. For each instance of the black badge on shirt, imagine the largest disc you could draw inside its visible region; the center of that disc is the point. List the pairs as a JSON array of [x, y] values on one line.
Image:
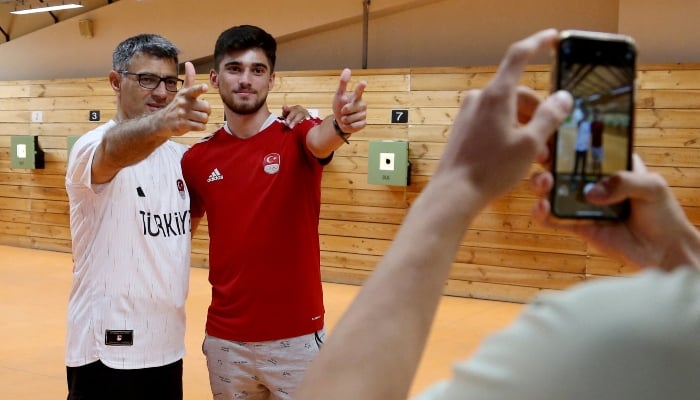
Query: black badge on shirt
[[119, 338]]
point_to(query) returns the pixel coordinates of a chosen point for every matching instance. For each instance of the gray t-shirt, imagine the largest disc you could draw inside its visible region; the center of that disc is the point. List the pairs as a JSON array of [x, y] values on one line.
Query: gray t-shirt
[[614, 338]]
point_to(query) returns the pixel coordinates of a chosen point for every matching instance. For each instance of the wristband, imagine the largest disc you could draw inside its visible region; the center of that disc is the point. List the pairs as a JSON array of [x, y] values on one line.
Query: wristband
[[340, 132]]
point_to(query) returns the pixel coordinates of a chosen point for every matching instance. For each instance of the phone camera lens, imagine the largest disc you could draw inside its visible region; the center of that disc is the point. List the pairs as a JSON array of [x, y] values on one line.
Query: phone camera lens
[[566, 48]]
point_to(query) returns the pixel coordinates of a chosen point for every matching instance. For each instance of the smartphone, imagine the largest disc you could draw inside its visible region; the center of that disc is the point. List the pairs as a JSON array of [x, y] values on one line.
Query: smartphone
[[595, 140]]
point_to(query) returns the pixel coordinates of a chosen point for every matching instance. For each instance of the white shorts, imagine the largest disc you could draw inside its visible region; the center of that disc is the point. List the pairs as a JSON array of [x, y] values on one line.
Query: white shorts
[[259, 370]]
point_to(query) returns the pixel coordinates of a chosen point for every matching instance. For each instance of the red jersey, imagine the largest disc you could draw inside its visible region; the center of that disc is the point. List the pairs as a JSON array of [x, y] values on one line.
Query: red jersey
[[262, 198], [597, 134]]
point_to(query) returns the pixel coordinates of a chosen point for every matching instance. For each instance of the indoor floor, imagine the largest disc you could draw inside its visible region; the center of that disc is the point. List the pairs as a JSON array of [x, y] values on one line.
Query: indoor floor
[[34, 287]]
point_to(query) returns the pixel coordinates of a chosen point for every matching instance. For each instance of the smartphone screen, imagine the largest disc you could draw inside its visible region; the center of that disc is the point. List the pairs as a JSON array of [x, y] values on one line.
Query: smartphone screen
[[598, 69]]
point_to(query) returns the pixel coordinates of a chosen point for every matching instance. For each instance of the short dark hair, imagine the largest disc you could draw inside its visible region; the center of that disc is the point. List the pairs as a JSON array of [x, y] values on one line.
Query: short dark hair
[[245, 37], [146, 43]]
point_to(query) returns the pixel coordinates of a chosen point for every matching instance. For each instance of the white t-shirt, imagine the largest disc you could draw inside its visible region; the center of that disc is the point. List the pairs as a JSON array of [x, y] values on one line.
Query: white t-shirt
[[583, 136], [131, 251], [610, 339]]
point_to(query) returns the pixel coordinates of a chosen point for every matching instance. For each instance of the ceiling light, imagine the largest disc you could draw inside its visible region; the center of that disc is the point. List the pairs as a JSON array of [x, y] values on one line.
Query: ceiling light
[[31, 10]]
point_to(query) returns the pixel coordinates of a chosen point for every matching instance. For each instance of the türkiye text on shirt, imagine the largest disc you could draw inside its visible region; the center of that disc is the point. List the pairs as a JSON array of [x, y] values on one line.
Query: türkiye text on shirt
[[166, 224]]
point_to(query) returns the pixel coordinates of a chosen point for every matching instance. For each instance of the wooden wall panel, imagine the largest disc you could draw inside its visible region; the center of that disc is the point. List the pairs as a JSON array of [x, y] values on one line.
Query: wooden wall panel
[[504, 256]]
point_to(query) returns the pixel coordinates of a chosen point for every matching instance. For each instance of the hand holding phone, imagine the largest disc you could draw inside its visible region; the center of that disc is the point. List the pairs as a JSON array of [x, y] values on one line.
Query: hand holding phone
[[598, 69]]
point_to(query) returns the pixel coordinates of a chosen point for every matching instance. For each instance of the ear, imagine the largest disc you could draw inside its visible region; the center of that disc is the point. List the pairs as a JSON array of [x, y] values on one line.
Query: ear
[[271, 83], [214, 78], [115, 80]]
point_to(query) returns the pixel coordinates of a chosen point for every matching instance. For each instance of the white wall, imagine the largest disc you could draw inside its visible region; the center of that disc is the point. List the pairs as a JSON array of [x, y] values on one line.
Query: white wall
[[317, 34]]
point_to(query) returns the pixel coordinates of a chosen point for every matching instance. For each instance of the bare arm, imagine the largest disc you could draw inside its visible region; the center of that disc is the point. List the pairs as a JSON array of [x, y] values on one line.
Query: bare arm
[[133, 140], [126, 144], [486, 154]]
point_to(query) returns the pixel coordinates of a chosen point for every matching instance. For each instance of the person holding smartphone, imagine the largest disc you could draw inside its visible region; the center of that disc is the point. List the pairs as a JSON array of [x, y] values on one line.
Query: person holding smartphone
[[617, 338]]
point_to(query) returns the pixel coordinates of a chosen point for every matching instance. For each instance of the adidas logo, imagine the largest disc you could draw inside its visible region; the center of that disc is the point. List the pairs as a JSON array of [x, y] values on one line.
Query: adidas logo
[[215, 176]]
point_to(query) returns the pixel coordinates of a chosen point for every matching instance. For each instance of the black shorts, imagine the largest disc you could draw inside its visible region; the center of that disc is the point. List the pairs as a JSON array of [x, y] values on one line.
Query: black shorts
[[96, 381]]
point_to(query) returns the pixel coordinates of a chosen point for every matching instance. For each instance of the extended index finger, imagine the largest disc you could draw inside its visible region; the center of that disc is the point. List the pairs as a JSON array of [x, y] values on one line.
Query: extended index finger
[[519, 55], [359, 90]]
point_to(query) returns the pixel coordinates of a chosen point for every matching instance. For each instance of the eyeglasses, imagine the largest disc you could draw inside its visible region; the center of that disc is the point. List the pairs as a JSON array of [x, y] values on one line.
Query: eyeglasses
[[150, 81]]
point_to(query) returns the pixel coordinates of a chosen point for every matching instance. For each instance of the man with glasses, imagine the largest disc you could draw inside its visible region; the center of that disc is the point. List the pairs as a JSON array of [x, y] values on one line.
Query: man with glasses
[[150, 81], [130, 224]]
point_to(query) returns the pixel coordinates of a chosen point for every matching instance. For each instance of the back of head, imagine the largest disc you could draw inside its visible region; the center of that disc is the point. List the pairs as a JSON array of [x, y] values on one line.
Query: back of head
[[245, 37], [147, 43]]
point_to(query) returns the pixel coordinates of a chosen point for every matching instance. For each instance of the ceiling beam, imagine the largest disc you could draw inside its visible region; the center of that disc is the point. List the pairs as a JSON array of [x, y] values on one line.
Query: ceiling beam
[[7, 35]]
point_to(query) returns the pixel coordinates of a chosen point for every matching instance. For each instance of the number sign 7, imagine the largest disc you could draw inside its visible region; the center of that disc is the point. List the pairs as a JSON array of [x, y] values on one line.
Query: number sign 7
[[399, 116]]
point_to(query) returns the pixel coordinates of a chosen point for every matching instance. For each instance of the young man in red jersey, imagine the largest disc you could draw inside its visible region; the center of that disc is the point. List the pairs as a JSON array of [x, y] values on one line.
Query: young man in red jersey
[[258, 179]]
